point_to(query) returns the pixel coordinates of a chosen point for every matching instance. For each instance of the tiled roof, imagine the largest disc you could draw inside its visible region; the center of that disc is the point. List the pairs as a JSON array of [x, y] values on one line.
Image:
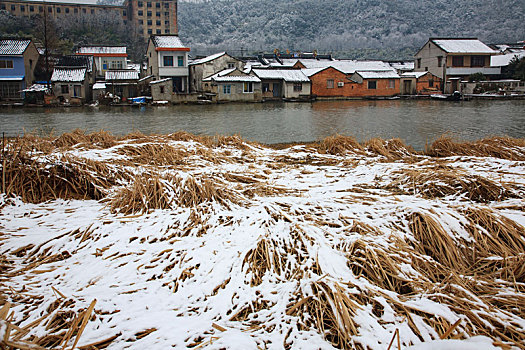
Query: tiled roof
[[66, 74], [160, 81], [92, 50], [290, 75], [237, 78], [99, 86], [76, 61], [207, 59], [378, 75], [122, 75], [504, 60], [416, 75], [13, 46], [220, 74], [462, 46], [167, 42]]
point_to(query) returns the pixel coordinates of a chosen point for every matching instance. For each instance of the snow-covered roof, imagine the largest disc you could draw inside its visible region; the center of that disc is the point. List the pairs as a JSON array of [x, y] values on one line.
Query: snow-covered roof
[[101, 50], [122, 75], [134, 66], [312, 71], [416, 75], [160, 81], [67, 74], [36, 88], [348, 66], [238, 78], [146, 78], [13, 46], [378, 75], [76, 61], [167, 42], [207, 59], [289, 75], [462, 46], [220, 74], [402, 66], [99, 86], [504, 60]]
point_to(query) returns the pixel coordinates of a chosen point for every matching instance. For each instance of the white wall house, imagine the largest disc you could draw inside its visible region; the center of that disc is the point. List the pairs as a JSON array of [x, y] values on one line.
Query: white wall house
[[168, 58], [106, 57]]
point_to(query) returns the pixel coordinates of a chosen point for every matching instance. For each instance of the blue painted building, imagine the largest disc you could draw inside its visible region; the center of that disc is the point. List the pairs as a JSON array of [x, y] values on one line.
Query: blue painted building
[[18, 59]]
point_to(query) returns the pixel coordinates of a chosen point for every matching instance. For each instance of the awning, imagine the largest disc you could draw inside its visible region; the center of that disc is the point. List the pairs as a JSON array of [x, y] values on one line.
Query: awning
[[11, 78]]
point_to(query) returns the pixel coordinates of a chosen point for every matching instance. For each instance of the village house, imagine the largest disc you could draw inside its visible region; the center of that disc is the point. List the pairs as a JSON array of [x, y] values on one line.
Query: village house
[[233, 85], [106, 58], [455, 59], [208, 66], [419, 83], [122, 83], [71, 84], [328, 82], [287, 84], [18, 59], [87, 62], [167, 57], [374, 84]]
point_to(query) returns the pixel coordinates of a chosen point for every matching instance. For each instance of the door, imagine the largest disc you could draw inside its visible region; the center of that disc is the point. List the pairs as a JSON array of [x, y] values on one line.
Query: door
[[76, 91], [276, 90], [407, 88], [454, 85]]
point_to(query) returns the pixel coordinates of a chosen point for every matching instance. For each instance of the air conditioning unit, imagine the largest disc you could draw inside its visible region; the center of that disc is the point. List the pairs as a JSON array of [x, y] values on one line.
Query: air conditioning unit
[[340, 84]]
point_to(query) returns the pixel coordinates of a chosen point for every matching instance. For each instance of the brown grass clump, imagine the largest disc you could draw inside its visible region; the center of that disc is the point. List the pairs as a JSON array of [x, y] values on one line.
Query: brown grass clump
[[330, 310], [434, 241], [261, 259], [145, 193], [437, 183], [194, 192], [155, 154], [379, 267], [101, 139], [68, 178], [394, 149], [498, 147], [339, 145]]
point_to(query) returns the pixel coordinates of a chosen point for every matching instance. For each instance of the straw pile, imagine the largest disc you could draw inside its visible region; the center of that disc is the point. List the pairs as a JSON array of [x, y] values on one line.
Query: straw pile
[[333, 244]]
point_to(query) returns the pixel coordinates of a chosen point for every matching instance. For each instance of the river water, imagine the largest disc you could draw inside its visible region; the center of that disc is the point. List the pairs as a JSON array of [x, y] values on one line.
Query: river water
[[414, 121]]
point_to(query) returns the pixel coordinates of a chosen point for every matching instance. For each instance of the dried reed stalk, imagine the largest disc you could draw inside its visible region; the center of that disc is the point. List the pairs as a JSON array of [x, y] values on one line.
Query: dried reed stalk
[[339, 145], [498, 147]]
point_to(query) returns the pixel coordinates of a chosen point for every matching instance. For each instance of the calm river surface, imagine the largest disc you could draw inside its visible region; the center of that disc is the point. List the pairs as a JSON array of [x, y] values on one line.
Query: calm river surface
[[415, 122]]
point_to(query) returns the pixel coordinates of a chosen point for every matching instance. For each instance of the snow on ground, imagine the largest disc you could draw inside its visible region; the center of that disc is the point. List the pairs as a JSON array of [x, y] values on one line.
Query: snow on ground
[[295, 260]]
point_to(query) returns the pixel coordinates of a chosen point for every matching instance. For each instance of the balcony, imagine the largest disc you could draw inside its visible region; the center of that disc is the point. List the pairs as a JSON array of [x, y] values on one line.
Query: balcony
[[173, 71], [461, 71]]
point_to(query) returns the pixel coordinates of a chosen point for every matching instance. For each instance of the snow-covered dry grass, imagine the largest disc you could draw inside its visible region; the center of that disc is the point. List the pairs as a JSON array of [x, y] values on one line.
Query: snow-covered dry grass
[[152, 242]]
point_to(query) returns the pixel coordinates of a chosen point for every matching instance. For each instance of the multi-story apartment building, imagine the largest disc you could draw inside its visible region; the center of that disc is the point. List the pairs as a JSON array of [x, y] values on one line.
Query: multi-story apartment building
[[150, 17]]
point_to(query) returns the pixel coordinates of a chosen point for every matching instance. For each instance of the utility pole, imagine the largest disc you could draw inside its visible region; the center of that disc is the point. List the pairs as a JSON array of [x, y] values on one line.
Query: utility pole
[[45, 47]]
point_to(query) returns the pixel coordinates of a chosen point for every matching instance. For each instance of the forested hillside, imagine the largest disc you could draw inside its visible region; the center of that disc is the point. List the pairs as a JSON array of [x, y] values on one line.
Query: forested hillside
[[388, 28]]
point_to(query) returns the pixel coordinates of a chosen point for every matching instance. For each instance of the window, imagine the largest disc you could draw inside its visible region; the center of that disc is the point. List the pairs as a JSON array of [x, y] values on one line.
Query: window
[[440, 61], [180, 61], [167, 5], [13, 7], [84, 10], [157, 5], [149, 22], [430, 83], [158, 22], [67, 9], [59, 9], [167, 23], [161, 89], [231, 65], [141, 13], [40, 8], [22, 8], [6, 64], [248, 87], [150, 31], [31, 64], [149, 4], [157, 14], [265, 87], [297, 87], [391, 84], [124, 13], [10, 89], [330, 84], [372, 85], [457, 61], [141, 22], [92, 11], [64, 89], [149, 13], [227, 89], [50, 9], [31, 9], [2, 6], [477, 61], [75, 10], [168, 61], [167, 14], [158, 31], [419, 63], [140, 4]]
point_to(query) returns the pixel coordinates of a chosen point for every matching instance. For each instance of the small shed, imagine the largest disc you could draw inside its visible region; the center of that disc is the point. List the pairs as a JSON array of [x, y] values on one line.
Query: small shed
[[70, 84], [284, 84], [233, 85], [122, 83], [420, 83]]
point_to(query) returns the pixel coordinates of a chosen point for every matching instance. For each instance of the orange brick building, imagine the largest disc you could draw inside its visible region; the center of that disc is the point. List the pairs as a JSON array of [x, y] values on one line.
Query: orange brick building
[[331, 83]]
